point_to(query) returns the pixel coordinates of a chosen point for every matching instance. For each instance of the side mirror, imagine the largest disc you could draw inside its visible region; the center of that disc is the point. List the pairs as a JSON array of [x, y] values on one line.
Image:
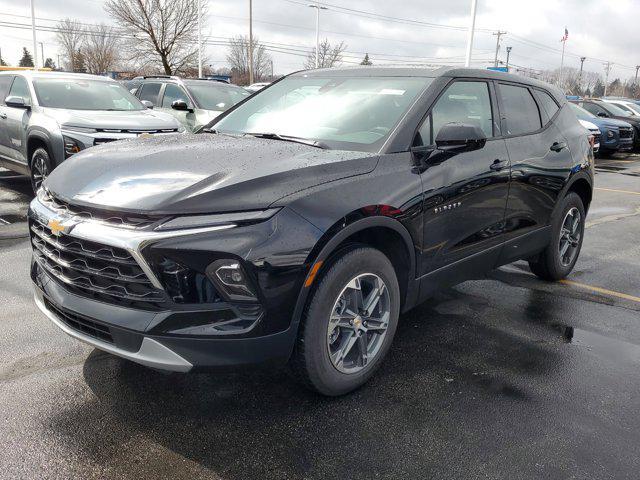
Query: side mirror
[[460, 137], [603, 114], [147, 104], [16, 102], [180, 105]]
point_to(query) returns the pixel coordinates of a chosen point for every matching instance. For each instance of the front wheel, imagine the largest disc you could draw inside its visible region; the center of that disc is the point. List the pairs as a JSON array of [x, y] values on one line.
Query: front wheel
[[40, 168], [349, 323], [560, 256]]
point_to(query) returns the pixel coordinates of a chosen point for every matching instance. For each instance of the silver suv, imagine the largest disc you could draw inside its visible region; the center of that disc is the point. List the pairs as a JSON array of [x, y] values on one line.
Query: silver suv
[[45, 117]]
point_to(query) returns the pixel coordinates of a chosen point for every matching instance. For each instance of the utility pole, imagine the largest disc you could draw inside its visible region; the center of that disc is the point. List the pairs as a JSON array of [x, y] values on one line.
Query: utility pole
[[42, 52], [33, 31], [498, 34], [472, 28], [636, 79], [607, 69], [199, 38], [508, 54], [318, 7], [250, 42]]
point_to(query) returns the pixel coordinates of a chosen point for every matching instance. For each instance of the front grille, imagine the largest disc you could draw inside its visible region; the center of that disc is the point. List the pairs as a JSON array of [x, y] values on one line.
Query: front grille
[[129, 220], [101, 141], [81, 324], [626, 132], [94, 270]]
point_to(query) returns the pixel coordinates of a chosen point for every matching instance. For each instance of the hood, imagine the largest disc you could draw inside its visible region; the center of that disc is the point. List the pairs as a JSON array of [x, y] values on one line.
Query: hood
[[610, 122], [588, 125], [135, 119], [205, 173]]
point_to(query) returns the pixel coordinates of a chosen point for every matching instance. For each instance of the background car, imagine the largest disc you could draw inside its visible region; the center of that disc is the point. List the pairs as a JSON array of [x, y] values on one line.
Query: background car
[[594, 132], [45, 117], [628, 105], [194, 103], [611, 140], [604, 109]]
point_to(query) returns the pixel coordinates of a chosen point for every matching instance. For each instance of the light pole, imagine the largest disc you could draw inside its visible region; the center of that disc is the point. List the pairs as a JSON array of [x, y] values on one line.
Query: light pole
[[33, 31], [318, 7], [250, 42], [607, 69], [508, 54], [636, 79], [472, 27], [199, 38], [42, 52]]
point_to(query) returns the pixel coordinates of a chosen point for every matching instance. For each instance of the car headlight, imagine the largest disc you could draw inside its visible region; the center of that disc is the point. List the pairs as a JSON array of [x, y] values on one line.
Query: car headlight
[[610, 134], [200, 221], [71, 146]]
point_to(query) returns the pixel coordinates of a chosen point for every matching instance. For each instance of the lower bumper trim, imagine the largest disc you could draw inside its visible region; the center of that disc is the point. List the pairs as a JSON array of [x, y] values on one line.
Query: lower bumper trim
[[151, 354]]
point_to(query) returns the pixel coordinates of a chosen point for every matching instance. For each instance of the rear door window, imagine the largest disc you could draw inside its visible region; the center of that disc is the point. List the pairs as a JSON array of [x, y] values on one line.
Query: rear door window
[[462, 102], [149, 92], [520, 110]]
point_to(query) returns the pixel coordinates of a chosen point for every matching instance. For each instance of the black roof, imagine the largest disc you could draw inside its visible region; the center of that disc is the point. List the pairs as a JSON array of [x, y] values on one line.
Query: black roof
[[453, 72]]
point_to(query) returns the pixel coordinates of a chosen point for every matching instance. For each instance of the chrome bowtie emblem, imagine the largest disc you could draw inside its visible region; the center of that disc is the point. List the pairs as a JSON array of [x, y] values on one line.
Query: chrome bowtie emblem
[[58, 227]]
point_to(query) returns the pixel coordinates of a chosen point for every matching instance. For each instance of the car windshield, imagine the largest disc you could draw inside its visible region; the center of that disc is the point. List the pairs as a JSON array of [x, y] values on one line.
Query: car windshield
[[581, 113], [211, 95], [616, 110], [84, 94], [350, 113], [632, 108]]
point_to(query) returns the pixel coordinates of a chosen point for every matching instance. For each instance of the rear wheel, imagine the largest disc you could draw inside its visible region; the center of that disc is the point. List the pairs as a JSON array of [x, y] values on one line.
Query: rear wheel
[[349, 323], [560, 256], [40, 168]]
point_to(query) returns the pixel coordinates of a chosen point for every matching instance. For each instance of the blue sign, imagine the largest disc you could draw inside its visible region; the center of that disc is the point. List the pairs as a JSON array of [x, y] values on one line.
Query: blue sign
[[499, 69]]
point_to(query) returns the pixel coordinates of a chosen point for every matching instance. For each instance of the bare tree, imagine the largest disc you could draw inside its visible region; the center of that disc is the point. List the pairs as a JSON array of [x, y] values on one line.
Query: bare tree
[[70, 34], [328, 55], [238, 59], [100, 49], [163, 30]]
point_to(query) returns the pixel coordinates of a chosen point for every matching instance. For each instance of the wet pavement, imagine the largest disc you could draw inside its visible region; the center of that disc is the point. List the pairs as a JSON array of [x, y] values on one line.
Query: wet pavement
[[508, 377]]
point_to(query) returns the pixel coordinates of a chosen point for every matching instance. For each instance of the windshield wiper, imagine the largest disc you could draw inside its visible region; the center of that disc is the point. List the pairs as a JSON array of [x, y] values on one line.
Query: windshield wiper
[[288, 138]]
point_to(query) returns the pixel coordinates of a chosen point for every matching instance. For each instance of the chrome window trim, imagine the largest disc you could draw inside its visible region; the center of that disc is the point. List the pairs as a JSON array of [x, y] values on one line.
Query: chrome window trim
[[131, 240]]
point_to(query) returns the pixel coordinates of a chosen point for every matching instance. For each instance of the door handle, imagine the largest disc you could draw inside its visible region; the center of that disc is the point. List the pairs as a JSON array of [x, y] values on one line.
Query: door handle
[[498, 165], [558, 146]]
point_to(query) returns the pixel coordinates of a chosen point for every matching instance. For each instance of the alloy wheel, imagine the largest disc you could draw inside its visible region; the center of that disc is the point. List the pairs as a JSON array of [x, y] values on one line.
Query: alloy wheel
[[39, 171], [570, 234], [358, 323]]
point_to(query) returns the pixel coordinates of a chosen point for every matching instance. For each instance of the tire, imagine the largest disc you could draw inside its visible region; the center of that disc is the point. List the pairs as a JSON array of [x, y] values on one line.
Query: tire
[[316, 345], [40, 166], [550, 265]]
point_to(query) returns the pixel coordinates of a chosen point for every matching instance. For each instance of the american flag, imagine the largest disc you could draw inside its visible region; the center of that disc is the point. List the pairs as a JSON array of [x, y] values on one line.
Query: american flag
[[566, 35]]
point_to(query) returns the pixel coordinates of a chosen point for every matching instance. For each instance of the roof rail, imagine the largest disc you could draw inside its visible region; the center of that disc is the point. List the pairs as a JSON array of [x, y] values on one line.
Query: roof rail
[[172, 77]]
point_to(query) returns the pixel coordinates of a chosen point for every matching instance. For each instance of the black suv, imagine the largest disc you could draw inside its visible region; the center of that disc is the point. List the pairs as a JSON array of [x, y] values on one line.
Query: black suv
[[301, 223]]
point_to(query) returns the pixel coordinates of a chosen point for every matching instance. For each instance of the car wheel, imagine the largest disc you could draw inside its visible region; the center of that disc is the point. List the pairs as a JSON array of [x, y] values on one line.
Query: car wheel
[[349, 322], [40, 168], [560, 256]]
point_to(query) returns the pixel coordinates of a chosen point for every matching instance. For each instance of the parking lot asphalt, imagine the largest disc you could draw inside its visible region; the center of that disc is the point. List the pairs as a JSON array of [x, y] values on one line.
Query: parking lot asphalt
[[508, 377]]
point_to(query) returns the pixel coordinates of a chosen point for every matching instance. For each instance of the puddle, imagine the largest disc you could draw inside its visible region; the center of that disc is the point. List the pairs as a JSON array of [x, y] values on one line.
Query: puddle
[[611, 348]]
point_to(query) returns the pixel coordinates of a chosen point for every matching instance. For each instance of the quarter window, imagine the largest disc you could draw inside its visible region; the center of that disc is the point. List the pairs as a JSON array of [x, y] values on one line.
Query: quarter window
[[462, 102], [20, 89], [520, 109], [149, 92], [171, 94], [548, 106]]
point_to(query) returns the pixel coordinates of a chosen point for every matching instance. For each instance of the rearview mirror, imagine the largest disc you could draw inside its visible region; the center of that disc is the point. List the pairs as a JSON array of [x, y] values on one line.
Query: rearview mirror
[[460, 137], [147, 104], [16, 102], [180, 105]]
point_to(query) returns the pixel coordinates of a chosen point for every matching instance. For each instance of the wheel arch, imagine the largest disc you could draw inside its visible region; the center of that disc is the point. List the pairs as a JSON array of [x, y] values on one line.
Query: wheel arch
[[582, 185], [383, 233], [37, 140]]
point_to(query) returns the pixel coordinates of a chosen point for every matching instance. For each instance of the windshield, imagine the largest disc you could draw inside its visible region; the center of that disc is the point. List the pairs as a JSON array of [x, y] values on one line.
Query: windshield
[[81, 94], [616, 110], [356, 113], [581, 113], [633, 109], [215, 96]]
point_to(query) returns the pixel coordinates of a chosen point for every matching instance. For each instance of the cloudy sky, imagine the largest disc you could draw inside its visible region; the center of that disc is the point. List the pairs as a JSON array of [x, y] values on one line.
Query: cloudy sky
[[392, 32]]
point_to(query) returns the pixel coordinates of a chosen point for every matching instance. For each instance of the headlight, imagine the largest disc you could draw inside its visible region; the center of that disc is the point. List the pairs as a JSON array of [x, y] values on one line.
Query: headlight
[[71, 146], [199, 221], [610, 134]]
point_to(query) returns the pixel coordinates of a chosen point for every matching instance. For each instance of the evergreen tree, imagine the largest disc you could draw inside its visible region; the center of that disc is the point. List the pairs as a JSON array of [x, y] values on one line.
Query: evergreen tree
[[27, 59], [2, 62], [366, 60], [598, 89], [48, 63]]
